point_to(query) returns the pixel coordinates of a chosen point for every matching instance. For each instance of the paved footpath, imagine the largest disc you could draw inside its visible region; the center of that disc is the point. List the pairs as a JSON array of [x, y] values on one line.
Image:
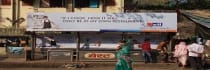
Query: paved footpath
[[109, 67], [15, 64]]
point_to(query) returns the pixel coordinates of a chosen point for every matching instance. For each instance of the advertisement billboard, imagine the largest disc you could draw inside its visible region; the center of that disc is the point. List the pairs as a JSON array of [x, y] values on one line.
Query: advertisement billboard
[[56, 41], [95, 40], [121, 22]]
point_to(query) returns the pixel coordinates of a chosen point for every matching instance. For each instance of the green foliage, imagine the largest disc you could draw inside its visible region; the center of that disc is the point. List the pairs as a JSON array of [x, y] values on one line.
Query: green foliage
[[166, 4]]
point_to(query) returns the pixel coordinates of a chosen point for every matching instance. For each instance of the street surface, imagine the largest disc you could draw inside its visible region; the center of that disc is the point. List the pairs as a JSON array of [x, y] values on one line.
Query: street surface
[[109, 67]]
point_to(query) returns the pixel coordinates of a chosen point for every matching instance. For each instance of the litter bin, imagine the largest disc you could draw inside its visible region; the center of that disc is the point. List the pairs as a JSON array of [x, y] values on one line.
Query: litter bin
[[28, 55]]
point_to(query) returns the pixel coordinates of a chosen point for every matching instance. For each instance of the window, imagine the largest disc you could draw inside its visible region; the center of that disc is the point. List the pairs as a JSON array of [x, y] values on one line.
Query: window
[[28, 2], [52, 3], [87, 3], [5, 2]]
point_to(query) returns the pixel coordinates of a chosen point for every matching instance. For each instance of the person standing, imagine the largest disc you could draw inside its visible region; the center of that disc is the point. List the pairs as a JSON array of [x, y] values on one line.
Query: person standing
[[162, 50], [123, 57], [181, 53], [207, 43], [195, 53], [86, 44], [146, 49], [129, 43]]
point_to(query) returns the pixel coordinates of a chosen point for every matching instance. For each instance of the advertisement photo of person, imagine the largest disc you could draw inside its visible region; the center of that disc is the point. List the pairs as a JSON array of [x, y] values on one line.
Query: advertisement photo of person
[[41, 21], [48, 24], [86, 45], [97, 43], [51, 41]]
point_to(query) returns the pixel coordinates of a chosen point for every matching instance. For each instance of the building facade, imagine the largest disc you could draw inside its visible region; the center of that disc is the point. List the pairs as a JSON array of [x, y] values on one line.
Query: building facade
[[14, 16], [13, 20], [14, 10]]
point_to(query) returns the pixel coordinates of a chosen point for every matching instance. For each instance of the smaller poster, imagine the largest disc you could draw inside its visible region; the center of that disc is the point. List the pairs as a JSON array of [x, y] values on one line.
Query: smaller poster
[[56, 41], [16, 50], [100, 40]]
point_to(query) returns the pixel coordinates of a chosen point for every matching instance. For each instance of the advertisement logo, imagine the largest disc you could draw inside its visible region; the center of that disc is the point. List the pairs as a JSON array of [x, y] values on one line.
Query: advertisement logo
[[99, 55], [154, 24]]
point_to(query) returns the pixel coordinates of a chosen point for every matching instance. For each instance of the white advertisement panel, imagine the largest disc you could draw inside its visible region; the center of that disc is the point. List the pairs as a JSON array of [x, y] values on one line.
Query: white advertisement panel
[[122, 22], [110, 40], [56, 41], [95, 40]]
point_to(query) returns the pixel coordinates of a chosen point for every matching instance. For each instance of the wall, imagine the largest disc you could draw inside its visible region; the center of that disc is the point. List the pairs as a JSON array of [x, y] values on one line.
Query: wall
[[29, 9], [92, 10], [112, 6], [115, 6], [6, 11]]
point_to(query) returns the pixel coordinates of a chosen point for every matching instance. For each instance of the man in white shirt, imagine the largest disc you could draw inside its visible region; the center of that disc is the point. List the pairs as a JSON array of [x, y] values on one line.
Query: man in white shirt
[[195, 52]]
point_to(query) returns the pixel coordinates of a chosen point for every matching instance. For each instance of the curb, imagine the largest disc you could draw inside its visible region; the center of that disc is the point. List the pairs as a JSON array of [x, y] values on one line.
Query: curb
[[62, 65]]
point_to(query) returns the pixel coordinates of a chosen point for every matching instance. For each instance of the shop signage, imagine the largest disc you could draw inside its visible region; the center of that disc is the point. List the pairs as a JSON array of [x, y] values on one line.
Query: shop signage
[[99, 56], [11, 31], [137, 22], [106, 55]]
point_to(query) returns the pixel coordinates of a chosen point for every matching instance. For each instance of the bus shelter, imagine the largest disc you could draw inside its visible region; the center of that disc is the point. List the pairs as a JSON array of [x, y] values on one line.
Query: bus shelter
[[94, 36]]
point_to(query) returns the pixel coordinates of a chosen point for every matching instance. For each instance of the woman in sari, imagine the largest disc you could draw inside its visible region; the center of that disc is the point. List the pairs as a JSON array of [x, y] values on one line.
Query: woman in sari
[[181, 53], [123, 57]]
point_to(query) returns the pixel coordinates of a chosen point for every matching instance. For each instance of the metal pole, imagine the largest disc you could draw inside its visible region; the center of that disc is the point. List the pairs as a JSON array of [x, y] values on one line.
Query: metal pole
[[123, 36], [18, 13], [14, 13], [104, 6], [33, 44], [0, 12], [78, 47], [73, 5]]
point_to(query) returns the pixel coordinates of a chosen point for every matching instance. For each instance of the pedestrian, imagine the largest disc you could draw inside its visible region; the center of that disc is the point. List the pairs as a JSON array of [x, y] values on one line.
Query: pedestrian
[[130, 43], [207, 43], [123, 57], [146, 50], [195, 53], [181, 53], [86, 44], [162, 50]]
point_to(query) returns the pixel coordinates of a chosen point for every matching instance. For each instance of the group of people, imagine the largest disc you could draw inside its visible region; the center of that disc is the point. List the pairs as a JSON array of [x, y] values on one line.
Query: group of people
[[192, 52], [124, 60], [183, 51]]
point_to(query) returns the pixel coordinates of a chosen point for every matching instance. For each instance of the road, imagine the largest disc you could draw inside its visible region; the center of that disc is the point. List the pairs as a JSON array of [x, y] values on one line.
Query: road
[[109, 67], [142, 66]]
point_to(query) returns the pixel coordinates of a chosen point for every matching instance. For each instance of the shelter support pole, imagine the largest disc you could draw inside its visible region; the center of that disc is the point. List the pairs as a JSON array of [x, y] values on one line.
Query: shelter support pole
[[170, 39], [33, 45], [14, 7], [78, 47], [104, 5], [18, 14], [123, 36]]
